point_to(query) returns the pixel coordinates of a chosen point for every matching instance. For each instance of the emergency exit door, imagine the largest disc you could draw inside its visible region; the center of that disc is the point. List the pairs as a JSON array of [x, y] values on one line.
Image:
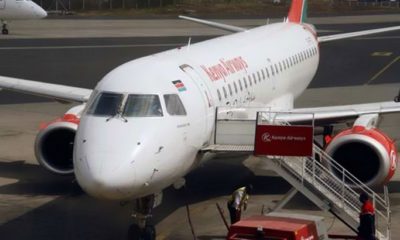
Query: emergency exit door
[[2, 4]]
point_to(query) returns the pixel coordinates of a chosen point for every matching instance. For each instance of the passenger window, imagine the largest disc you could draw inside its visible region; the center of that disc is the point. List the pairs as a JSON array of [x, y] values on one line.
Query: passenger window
[[235, 86], [284, 65], [250, 83], [254, 79], [272, 70], [266, 69], [276, 68], [287, 63], [219, 95], [230, 89], [174, 105], [141, 105], [225, 94], [106, 104], [263, 74], [280, 66], [240, 85], [245, 82], [259, 76]]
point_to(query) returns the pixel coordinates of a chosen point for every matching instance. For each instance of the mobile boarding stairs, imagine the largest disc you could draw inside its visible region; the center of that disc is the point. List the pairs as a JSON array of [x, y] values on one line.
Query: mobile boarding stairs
[[320, 178]]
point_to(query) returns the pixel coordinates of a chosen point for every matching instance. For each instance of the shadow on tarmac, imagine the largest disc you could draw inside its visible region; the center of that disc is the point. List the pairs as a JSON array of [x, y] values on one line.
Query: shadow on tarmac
[[74, 215]]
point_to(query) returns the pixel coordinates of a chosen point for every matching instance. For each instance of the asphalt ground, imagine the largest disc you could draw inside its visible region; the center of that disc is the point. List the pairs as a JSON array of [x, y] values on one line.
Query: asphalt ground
[[82, 62], [35, 204]]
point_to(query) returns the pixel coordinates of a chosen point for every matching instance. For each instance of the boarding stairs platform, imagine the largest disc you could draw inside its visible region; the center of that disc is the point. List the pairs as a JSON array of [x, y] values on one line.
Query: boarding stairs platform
[[319, 178]]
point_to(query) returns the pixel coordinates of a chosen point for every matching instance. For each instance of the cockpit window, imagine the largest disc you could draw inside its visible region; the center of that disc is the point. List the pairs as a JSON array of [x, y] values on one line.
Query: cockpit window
[[174, 105], [106, 104], [142, 105]]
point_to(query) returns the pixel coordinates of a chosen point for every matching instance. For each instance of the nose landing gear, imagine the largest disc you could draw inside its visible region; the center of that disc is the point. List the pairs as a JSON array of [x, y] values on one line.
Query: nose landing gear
[[142, 229]]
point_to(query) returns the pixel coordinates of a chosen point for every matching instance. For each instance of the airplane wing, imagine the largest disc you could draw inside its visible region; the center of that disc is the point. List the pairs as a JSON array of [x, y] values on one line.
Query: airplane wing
[[356, 34], [222, 26], [321, 39], [48, 90], [320, 115], [335, 114]]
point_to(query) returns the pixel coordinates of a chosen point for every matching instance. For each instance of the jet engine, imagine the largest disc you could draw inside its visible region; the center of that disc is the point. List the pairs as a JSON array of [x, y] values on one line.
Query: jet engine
[[54, 144], [367, 153]]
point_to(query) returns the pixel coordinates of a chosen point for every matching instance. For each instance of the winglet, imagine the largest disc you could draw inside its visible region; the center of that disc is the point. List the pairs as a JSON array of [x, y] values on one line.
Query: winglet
[[298, 11]]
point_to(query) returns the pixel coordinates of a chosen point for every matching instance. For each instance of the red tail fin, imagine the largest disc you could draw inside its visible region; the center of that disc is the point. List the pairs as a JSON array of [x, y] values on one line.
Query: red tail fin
[[298, 11]]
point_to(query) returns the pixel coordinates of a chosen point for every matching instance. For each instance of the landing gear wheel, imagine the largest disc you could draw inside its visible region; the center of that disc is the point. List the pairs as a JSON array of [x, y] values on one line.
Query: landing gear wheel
[[149, 233], [135, 233], [4, 31]]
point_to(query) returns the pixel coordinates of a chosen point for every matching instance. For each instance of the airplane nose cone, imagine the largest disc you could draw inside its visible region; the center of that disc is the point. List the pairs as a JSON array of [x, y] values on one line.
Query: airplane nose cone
[[104, 182], [37, 11], [117, 160], [42, 14], [110, 186]]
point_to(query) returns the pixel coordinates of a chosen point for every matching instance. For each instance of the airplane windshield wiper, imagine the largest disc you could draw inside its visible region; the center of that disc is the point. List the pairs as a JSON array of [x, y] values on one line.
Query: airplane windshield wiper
[[119, 112], [118, 115]]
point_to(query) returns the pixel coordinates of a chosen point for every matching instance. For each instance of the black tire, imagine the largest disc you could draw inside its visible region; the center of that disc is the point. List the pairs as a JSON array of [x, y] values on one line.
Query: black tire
[[134, 233], [4, 31], [149, 233]]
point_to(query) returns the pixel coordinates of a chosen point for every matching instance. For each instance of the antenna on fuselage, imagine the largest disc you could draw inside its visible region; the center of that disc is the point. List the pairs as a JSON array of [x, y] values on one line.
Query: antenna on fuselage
[[189, 42]]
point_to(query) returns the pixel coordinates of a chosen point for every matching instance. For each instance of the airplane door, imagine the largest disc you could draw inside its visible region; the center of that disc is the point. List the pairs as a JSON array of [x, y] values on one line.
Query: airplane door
[[203, 88], [2, 4]]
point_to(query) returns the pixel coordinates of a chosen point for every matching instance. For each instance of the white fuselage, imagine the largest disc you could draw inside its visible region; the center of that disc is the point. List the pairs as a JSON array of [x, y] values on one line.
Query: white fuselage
[[20, 9], [129, 157]]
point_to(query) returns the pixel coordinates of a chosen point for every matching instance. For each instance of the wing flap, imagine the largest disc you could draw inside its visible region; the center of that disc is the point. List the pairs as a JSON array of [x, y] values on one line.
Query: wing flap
[[356, 34], [48, 90]]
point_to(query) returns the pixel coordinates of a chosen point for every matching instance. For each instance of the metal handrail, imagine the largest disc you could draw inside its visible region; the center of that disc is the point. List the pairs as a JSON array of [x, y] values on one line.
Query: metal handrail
[[349, 200], [346, 195], [328, 176]]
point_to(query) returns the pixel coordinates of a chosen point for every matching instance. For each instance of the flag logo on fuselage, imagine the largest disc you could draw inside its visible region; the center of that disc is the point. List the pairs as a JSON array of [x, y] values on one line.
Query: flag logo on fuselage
[[179, 85]]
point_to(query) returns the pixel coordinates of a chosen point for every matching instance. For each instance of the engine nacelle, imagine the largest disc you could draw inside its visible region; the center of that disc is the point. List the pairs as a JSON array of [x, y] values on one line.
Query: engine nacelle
[[367, 153], [54, 144]]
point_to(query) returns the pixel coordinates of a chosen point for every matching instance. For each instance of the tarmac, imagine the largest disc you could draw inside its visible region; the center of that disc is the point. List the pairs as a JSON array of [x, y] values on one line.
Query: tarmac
[[98, 28], [35, 204]]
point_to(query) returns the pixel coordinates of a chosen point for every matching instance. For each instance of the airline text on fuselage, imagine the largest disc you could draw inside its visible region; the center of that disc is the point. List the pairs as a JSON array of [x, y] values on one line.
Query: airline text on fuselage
[[225, 68]]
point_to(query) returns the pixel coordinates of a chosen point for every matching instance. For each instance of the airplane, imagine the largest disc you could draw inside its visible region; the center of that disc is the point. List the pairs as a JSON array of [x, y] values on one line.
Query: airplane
[[144, 126], [19, 10]]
